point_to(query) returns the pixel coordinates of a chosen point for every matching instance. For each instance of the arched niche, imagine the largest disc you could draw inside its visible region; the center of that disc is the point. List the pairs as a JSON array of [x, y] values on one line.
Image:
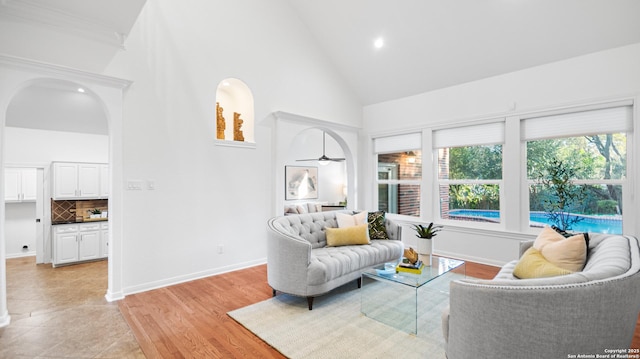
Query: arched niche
[[234, 112]]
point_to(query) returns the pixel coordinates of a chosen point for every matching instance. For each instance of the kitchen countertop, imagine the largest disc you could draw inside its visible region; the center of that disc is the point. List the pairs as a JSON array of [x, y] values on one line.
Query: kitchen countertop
[[85, 221]]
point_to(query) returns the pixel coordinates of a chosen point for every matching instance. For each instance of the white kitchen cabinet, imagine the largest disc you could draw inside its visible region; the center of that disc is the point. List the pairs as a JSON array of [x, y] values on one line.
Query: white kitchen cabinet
[[89, 244], [76, 180], [20, 184], [104, 240], [65, 180], [89, 180], [65, 244], [76, 243], [104, 181]]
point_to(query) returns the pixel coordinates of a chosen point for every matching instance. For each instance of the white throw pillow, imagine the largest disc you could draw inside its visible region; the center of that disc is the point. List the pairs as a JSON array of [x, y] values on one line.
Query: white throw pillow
[[348, 220]]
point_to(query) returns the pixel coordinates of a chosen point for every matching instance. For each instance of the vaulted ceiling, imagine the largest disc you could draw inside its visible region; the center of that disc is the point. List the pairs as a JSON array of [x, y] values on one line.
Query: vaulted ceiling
[[427, 44], [432, 44]]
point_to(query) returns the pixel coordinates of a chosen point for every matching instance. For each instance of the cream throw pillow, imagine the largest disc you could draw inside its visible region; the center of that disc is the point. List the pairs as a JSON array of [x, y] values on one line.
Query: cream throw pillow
[[347, 220], [567, 253], [347, 236], [533, 264]]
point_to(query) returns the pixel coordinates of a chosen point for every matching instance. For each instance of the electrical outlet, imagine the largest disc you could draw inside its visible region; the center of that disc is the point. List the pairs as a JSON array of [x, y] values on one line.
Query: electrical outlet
[[220, 249]]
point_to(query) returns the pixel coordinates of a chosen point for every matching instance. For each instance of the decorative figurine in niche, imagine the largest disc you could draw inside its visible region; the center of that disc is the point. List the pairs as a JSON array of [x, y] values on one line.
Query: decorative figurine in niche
[[220, 127], [237, 124]]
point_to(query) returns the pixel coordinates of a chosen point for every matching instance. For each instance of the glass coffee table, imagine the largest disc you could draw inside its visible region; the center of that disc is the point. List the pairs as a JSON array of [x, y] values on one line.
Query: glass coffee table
[[398, 299]]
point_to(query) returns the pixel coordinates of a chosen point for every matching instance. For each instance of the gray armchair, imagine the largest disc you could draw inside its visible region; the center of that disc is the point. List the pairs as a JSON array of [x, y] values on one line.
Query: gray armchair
[[587, 312]]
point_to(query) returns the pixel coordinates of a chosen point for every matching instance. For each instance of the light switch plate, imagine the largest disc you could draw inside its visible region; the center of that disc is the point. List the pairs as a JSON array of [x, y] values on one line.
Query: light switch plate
[[134, 185]]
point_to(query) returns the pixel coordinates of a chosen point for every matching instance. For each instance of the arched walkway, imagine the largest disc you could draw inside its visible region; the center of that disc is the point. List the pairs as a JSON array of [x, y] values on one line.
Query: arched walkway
[[18, 74]]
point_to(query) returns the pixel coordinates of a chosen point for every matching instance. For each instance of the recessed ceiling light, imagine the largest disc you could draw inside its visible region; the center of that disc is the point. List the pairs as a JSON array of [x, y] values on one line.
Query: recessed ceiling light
[[378, 43], [80, 89]]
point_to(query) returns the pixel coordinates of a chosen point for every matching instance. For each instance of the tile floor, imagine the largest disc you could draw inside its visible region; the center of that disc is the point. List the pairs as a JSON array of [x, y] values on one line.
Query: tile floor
[[62, 313]]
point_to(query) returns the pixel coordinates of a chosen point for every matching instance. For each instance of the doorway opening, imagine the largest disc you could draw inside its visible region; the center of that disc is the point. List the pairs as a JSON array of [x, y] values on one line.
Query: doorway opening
[[48, 120]]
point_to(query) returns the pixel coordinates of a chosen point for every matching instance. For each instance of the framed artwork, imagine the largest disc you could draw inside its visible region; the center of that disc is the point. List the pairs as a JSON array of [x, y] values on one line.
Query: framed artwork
[[301, 182]]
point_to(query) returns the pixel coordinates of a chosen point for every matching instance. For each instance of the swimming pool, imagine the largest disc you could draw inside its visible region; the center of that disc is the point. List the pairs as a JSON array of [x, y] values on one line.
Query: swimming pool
[[596, 224]]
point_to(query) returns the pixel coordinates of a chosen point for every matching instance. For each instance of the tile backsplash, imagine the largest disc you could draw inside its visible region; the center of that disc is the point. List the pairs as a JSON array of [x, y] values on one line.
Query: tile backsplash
[[63, 211]]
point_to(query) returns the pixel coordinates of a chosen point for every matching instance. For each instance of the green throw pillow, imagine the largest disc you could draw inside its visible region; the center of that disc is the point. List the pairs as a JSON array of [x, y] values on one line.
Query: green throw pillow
[[377, 229]]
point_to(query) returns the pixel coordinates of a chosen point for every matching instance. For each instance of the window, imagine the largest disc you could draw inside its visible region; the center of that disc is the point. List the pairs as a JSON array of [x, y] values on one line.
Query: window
[[470, 172], [399, 177], [592, 151], [399, 174]]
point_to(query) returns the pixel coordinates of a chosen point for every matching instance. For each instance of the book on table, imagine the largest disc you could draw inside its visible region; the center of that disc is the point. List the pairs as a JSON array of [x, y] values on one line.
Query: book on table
[[415, 268]]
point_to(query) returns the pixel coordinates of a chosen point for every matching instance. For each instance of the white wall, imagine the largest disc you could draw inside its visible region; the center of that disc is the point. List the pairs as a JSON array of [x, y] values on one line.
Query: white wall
[[37, 147], [20, 229], [210, 198], [600, 76]]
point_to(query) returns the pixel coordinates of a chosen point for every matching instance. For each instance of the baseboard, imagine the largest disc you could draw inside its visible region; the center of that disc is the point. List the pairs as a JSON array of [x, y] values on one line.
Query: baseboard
[[113, 296], [463, 257], [5, 320], [189, 277], [20, 255]]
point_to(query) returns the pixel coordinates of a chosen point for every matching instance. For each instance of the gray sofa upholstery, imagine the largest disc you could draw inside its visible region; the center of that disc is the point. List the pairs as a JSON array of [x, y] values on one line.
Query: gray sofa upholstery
[[586, 312], [300, 263]]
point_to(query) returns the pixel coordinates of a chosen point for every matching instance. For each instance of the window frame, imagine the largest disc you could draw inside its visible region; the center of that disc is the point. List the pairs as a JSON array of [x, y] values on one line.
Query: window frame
[[627, 205], [471, 134], [413, 182], [462, 223]]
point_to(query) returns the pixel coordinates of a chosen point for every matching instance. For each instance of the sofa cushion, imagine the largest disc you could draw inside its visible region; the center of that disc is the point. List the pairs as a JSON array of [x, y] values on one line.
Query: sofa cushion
[[567, 253], [609, 256], [330, 263], [377, 228], [310, 227], [347, 236], [533, 264]]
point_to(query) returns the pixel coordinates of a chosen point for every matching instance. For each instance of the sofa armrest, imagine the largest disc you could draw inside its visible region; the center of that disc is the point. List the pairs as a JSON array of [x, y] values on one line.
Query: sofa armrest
[[394, 230], [288, 258], [524, 245]]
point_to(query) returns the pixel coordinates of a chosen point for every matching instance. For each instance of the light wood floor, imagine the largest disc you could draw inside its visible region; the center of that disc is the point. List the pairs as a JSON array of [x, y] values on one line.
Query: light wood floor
[[189, 319]]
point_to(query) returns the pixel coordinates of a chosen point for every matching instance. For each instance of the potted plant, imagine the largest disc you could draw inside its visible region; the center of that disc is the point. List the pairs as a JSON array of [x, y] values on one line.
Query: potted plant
[[94, 213], [425, 234], [563, 196]]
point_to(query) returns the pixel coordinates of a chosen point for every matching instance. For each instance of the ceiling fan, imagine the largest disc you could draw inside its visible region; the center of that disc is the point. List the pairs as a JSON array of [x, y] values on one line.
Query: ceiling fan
[[324, 160]]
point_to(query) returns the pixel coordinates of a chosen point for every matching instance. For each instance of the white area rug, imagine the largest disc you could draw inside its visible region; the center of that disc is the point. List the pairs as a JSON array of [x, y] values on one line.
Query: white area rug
[[335, 328]]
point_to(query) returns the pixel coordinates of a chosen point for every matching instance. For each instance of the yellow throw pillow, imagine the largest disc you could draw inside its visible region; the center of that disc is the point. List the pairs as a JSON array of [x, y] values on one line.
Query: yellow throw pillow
[[347, 236], [567, 253], [532, 264]]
